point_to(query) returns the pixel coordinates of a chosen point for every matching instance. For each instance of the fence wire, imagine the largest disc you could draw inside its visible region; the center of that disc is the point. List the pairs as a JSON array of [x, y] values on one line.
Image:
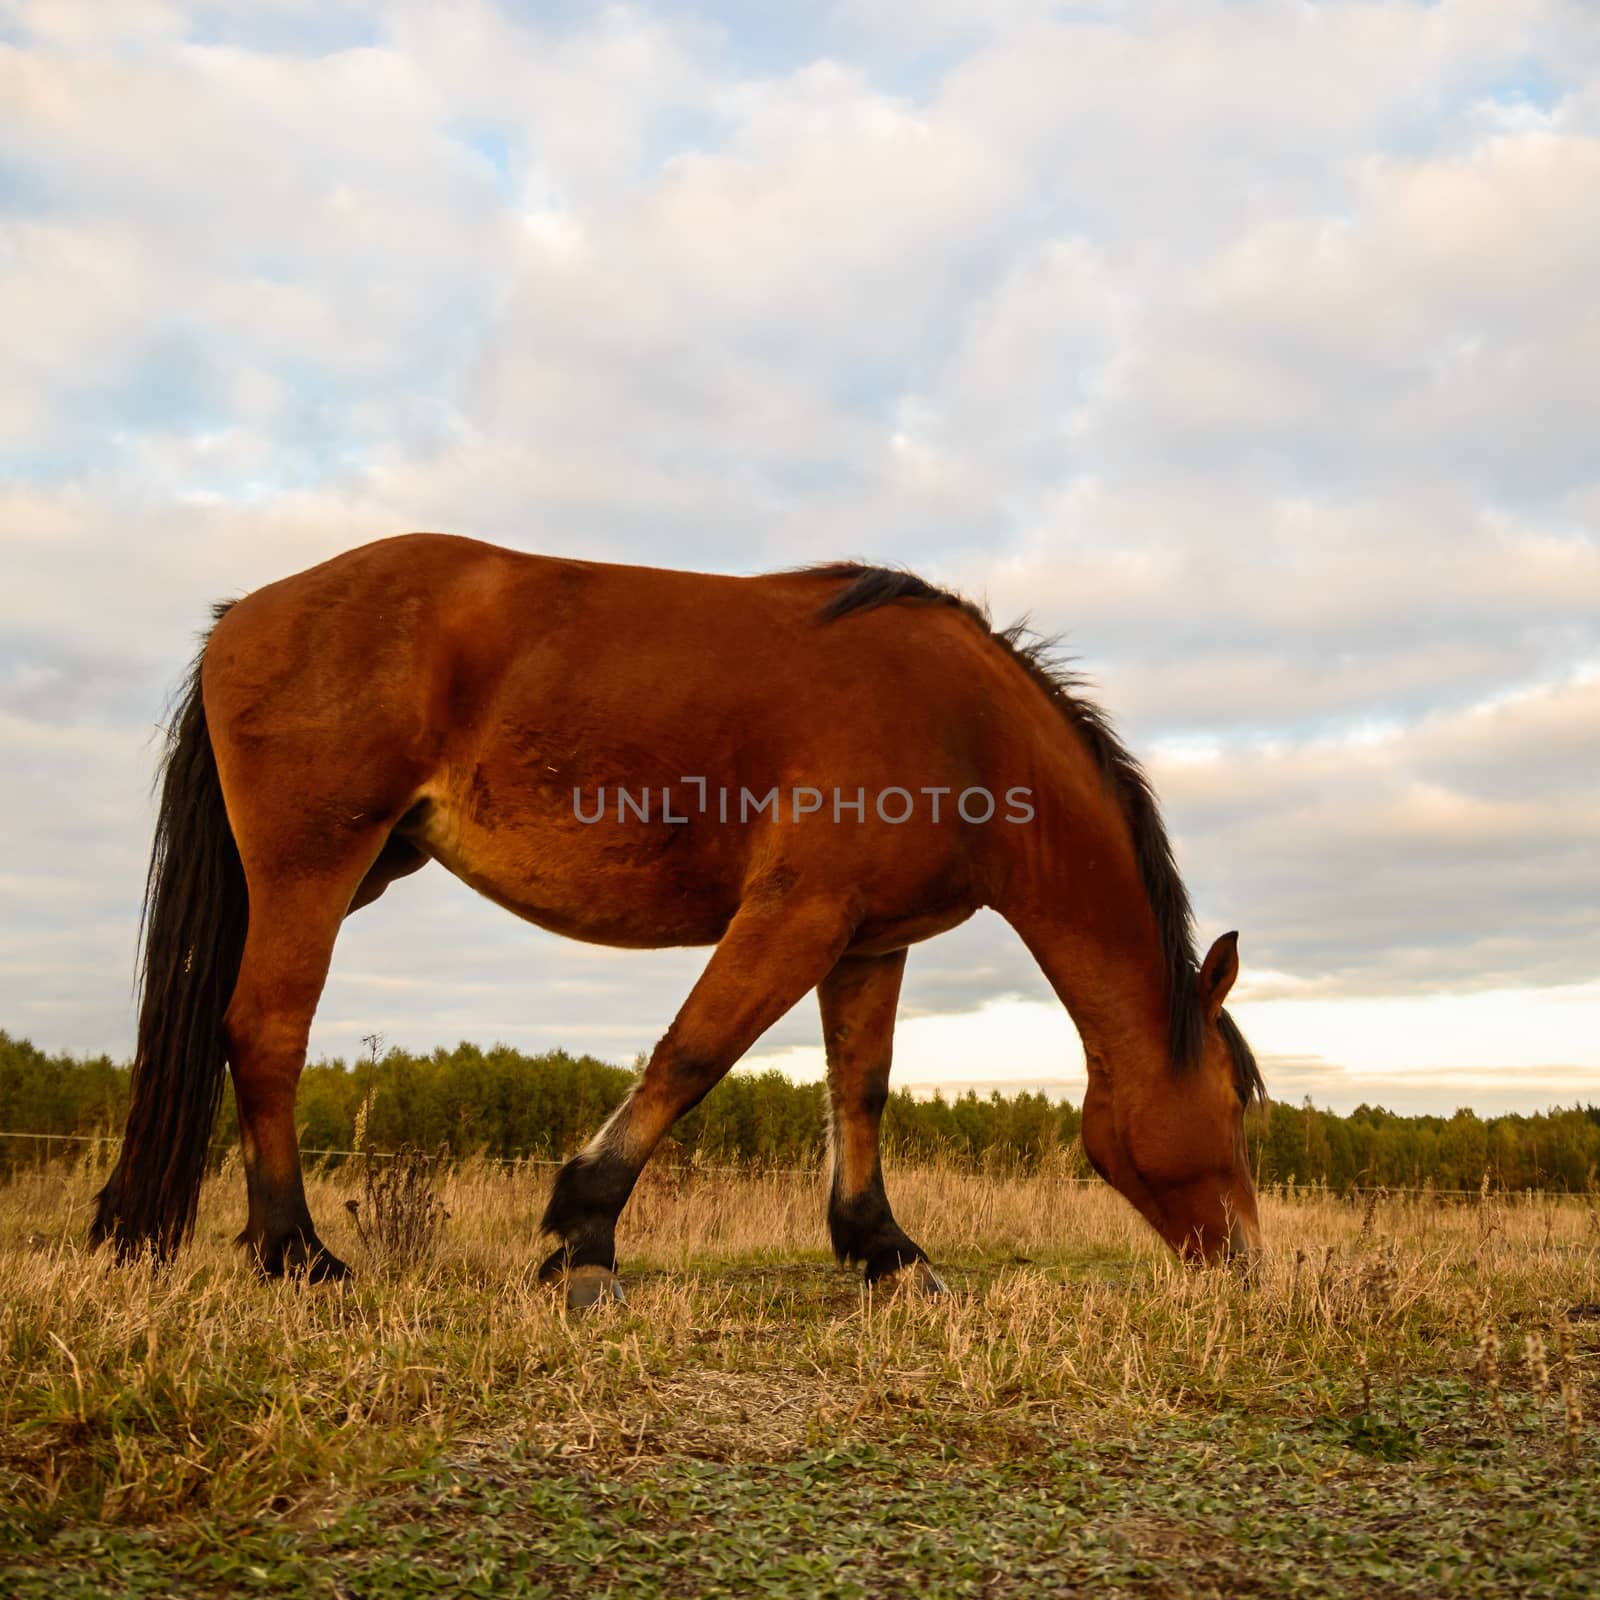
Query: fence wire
[[756, 1169]]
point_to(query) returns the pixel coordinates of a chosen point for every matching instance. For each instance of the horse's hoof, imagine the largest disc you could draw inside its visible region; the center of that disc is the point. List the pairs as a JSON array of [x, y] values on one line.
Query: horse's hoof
[[592, 1286], [915, 1278], [325, 1267], [296, 1259]]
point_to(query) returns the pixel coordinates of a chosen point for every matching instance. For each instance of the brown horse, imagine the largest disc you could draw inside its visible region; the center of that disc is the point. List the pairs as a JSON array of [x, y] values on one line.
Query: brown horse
[[809, 770]]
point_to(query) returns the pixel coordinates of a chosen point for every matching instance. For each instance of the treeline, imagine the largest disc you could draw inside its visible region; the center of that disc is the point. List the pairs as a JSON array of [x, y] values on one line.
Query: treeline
[[507, 1105]]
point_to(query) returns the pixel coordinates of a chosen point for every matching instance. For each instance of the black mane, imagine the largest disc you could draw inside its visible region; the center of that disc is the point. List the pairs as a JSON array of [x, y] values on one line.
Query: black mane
[[866, 588]]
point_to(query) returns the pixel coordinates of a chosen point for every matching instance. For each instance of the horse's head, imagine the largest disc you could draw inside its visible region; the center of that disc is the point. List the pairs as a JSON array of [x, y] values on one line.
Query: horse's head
[[1172, 1141]]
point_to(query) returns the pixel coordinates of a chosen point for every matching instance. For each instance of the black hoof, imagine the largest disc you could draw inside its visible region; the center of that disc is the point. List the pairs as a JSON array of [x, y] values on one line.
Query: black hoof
[[914, 1278], [299, 1257], [893, 1259], [325, 1267]]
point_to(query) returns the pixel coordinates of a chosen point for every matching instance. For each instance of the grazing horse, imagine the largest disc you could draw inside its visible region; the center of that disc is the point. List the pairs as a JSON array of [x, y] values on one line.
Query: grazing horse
[[809, 770]]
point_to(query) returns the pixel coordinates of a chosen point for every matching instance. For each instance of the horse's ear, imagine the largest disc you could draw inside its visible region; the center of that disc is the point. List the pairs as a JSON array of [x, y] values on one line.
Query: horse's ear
[[1217, 972]]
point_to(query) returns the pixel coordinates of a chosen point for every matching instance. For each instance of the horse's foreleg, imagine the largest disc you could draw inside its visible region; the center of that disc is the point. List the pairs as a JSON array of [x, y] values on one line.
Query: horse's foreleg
[[858, 1000], [772, 953], [268, 1022]]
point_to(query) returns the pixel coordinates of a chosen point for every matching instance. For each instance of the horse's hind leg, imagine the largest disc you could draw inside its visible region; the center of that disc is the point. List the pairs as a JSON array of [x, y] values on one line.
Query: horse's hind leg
[[772, 953], [268, 1022], [858, 1000]]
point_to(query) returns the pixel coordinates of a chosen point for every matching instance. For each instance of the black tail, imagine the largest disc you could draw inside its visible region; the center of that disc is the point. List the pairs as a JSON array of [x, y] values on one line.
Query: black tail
[[193, 929]]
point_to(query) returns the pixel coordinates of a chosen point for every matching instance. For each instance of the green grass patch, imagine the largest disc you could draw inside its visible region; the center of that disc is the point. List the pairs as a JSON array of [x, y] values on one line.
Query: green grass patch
[[1229, 1508]]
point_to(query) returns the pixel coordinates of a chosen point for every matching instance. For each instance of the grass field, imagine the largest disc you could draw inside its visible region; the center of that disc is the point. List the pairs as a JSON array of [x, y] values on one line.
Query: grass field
[[1397, 1404]]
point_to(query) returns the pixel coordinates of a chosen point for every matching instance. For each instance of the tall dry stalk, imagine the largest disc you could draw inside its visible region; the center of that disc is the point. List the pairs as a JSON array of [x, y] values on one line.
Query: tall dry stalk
[[399, 1217], [1569, 1388], [1487, 1367]]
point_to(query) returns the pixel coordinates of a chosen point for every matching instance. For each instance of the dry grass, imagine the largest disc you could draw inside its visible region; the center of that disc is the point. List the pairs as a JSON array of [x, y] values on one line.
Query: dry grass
[[198, 1397]]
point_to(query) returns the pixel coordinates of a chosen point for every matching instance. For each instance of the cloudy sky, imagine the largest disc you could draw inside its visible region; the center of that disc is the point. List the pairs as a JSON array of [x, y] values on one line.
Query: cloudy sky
[[1253, 345]]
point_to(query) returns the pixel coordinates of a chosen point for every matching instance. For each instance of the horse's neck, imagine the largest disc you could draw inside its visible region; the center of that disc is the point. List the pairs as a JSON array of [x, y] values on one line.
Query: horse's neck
[[1074, 894]]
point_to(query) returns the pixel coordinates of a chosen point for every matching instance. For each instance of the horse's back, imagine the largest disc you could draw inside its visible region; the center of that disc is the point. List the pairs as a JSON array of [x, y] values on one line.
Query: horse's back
[[434, 626]]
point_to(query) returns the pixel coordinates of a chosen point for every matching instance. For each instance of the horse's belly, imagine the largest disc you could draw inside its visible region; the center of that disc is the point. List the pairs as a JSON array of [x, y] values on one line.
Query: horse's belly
[[555, 877]]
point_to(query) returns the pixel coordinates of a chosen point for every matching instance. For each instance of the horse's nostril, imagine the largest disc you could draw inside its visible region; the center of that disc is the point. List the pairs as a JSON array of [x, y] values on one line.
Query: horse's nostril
[[1244, 1243]]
